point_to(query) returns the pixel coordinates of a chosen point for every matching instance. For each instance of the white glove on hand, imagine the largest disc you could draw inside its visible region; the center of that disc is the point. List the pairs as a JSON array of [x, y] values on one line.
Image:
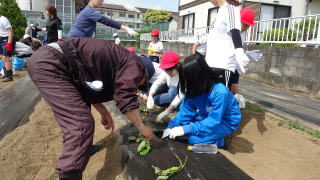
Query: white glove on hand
[[150, 102], [131, 32], [255, 55], [176, 131], [166, 133], [242, 60], [163, 115]]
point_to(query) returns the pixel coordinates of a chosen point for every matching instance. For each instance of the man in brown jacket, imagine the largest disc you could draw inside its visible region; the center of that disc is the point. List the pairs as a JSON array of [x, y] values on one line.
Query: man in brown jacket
[[63, 72]]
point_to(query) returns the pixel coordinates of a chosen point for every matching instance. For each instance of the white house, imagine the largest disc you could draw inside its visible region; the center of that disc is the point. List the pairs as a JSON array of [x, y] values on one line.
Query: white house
[[201, 13]]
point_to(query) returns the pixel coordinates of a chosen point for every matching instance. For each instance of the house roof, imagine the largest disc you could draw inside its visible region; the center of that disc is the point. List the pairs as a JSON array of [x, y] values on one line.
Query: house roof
[[113, 6], [143, 10]]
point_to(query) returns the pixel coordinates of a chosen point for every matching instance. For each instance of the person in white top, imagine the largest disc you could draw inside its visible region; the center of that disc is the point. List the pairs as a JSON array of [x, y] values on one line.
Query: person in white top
[[7, 47], [117, 40], [170, 77], [224, 46], [247, 20], [155, 47], [200, 47]]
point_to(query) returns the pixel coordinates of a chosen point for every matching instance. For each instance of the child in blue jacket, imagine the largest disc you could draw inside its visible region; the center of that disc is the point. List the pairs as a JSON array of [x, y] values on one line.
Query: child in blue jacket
[[209, 111]]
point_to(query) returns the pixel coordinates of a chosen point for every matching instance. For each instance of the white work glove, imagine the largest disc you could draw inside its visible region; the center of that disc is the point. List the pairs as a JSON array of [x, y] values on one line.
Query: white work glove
[[255, 55], [176, 131], [241, 100], [131, 32], [166, 133], [150, 102], [242, 60], [163, 115]]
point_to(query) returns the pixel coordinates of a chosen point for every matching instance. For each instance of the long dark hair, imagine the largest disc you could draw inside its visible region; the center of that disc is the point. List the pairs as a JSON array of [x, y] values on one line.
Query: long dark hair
[[83, 5], [234, 2], [195, 76]]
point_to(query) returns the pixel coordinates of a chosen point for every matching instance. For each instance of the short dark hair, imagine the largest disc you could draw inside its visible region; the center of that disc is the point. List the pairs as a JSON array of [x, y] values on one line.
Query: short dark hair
[[195, 76], [51, 10]]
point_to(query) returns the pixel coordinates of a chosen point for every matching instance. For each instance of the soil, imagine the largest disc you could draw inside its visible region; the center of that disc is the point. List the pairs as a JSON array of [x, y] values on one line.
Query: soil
[[260, 147], [18, 75]]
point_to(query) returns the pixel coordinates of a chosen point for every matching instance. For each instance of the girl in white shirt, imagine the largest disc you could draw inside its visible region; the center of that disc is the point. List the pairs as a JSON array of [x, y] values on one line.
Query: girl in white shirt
[[170, 77], [155, 47], [224, 46]]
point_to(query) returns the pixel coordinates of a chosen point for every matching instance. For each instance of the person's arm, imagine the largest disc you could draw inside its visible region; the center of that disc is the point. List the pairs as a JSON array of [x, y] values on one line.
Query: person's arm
[[234, 27], [194, 47], [135, 118], [59, 26], [106, 118], [160, 81], [185, 115], [10, 36]]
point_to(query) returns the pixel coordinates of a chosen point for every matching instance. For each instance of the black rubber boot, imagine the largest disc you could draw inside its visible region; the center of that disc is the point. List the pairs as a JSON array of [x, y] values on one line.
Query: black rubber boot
[[70, 175], [8, 76]]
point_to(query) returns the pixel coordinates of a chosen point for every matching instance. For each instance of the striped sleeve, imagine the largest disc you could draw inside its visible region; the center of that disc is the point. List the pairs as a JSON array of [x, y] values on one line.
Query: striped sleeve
[[233, 18]]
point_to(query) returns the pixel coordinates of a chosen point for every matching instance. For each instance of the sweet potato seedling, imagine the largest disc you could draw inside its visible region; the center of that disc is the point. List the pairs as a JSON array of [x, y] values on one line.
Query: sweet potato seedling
[[165, 174], [144, 146]]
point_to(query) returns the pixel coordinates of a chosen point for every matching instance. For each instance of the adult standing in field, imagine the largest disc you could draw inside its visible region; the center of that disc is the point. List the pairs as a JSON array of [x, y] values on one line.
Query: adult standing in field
[[224, 46], [53, 26], [7, 47], [86, 21], [70, 80]]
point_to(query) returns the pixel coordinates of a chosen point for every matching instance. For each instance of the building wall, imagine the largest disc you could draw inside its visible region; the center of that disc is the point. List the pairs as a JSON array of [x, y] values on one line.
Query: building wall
[[173, 25], [298, 6], [314, 7], [134, 23], [201, 14]]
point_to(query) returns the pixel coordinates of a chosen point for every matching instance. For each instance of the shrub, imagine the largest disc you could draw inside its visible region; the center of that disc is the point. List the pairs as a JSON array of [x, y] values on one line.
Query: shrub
[[10, 10], [304, 26]]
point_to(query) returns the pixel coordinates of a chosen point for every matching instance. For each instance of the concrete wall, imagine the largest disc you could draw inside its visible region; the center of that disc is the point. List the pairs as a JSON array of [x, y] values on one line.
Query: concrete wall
[[294, 68]]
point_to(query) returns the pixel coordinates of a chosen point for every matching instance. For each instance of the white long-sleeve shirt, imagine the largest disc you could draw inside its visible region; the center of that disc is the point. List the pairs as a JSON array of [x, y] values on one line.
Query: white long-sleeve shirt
[[164, 78]]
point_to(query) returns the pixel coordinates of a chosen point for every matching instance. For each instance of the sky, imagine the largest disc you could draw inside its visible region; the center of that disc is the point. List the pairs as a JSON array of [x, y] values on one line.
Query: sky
[[170, 5]]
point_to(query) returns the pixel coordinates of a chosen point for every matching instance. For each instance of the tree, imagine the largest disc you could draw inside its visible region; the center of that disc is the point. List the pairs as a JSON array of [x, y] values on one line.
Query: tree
[[10, 10], [153, 16]]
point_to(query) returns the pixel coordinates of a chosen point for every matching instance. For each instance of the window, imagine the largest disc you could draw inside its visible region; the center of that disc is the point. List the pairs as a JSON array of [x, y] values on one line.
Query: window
[[138, 16], [274, 12], [138, 26], [212, 14], [188, 21], [30, 5], [130, 15], [131, 26], [122, 14]]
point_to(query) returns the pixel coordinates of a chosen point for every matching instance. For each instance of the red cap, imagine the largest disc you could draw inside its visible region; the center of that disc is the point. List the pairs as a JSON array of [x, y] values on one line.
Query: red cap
[[155, 32], [169, 59], [247, 16], [131, 50]]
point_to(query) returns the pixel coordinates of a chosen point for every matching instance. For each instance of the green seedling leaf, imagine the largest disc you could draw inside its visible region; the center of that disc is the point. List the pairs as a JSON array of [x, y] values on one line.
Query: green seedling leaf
[[141, 146], [156, 170], [162, 177], [132, 138], [139, 139], [145, 149]]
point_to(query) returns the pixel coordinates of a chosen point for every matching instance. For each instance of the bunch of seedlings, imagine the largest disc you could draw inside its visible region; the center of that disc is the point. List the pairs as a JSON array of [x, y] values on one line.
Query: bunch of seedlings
[[144, 146]]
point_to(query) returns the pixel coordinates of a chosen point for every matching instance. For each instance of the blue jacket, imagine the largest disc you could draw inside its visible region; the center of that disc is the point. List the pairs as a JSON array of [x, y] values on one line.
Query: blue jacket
[[86, 21], [207, 118]]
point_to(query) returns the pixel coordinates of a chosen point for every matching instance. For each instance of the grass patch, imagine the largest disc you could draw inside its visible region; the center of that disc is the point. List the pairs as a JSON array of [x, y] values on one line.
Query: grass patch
[[297, 125], [255, 108]]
